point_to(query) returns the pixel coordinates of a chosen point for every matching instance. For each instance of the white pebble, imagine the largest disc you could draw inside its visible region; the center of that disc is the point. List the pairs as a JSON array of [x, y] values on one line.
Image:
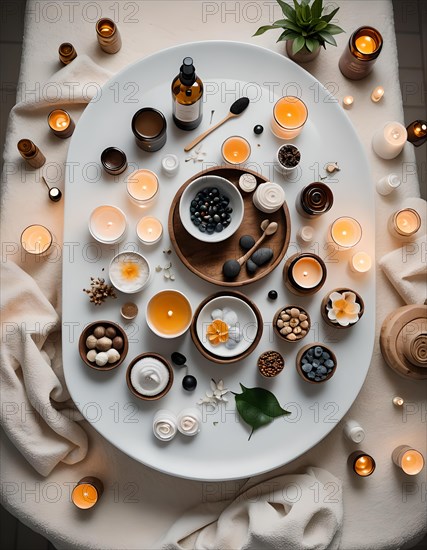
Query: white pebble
[[231, 344], [101, 359], [229, 316], [91, 355], [113, 355], [216, 314], [235, 334]]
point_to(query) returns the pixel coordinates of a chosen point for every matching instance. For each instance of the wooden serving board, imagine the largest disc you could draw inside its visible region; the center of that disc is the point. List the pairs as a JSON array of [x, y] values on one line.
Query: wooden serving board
[[206, 259]]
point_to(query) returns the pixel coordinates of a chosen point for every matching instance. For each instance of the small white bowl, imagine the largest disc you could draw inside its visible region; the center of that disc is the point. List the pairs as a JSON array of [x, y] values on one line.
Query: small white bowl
[[226, 188], [247, 323], [137, 257], [279, 166]]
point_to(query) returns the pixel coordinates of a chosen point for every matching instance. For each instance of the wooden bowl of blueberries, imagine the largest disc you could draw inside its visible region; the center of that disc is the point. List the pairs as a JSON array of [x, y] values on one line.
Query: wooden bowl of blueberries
[[316, 363], [103, 345]]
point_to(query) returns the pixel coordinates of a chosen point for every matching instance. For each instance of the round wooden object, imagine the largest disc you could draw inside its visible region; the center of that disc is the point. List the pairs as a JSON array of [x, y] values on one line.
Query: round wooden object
[[300, 291], [206, 259], [324, 311], [402, 325], [277, 330], [162, 360], [217, 358], [89, 330], [299, 364]]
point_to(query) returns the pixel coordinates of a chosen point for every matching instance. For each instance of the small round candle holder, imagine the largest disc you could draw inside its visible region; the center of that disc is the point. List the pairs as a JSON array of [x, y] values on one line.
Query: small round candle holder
[[404, 224], [361, 463], [408, 459], [235, 150], [107, 224], [114, 161], [108, 35], [87, 492], [345, 233], [361, 52], [360, 262], [37, 240], [169, 314], [67, 53], [61, 123], [306, 277], [142, 187], [289, 117], [149, 230], [164, 362], [327, 304]]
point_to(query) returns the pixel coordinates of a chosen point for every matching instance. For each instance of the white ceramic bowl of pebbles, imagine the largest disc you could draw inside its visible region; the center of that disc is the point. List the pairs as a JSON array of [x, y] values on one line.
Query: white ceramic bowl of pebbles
[[226, 326], [211, 209], [316, 363]]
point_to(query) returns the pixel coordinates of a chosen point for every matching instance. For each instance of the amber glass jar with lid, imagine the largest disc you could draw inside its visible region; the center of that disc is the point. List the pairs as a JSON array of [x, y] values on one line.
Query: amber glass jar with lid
[[361, 52]]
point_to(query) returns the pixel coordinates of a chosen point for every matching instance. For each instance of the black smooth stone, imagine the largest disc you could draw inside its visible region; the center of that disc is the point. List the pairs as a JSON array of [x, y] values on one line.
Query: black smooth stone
[[258, 129], [189, 383], [246, 242], [272, 295], [219, 227], [231, 269], [251, 267], [178, 358], [262, 256]]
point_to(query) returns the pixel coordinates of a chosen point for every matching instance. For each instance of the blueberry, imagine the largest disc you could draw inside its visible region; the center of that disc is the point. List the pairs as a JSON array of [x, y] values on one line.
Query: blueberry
[[329, 363], [189, 383], [323, 370], [311, 375], [315, 363], [304, 361], [272, 295], [309, 354], [216, 218], [219, 227], [318, 351], [258, 129], [306, 367], [202, 228], [178, 358], [322, 377], [317, 378], [325, 355]]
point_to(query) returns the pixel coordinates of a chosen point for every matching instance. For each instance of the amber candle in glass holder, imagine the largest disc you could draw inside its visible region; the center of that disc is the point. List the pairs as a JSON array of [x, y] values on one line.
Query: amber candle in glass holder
[[404, 223], [289, 116], [417, 132], [362, 464], [61, 124], [108, 35], [235, 150], [359, 56], [87, 492]]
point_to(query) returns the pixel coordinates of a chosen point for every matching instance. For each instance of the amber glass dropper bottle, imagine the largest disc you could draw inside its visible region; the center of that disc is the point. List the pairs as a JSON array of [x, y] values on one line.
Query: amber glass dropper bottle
[[187, 97]]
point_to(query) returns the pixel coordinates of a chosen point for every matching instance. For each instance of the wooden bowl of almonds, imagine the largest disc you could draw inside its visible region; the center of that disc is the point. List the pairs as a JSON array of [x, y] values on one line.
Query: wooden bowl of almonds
[[103, 345], [291, 323]]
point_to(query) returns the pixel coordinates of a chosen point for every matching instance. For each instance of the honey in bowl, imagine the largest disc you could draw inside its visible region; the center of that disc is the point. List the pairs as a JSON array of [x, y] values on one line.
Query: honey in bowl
[[169, 313]]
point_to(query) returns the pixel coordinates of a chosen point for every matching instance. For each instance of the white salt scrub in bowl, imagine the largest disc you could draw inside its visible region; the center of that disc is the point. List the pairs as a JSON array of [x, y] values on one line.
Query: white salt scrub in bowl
[[129, 272]]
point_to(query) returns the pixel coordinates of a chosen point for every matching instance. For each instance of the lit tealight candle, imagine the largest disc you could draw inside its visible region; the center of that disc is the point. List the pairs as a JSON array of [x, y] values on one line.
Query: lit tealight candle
[[389, 140], [142, 187], [398, 401], [417, 132], [403, 224], [304, 273], [36, 239], [87, 492], [149, 230], [289, 116], [363, 464], [377, 94], [107, 224], [410, 460], [361, 262], [61, 123], [345, 232], [366, 44], [169, 313], [236, 150], [348, 101]]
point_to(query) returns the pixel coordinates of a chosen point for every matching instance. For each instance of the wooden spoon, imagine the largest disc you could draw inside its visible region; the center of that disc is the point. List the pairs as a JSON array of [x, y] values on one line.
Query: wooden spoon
[[234, 266], [235, 110]]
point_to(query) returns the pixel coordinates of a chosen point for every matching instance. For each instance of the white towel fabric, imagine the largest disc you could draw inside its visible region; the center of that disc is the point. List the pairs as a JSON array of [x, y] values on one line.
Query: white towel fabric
[[285, 512]]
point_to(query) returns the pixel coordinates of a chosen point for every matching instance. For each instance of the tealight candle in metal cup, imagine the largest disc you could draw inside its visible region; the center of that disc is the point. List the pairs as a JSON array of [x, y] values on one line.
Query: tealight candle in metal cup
[[142, 187], [149, 128], [362, 464], [60, 123], [345, 233], [404, 224], [113, 161], [36, 240], [408, 459], [108, 35], [289, 116], [304, 274], [149, 230], [87, 492], [235, 150], [348, 101]]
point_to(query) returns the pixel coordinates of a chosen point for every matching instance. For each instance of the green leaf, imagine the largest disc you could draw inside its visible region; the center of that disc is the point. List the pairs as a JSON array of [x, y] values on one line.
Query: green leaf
[[292, 26], [287, 35], [320, 26], [258, 407], [287, 10], [305, 2], [328, 38], [327, 17], [317, 8], [333, 29], [311, 44], [298, 44], [265, 28]]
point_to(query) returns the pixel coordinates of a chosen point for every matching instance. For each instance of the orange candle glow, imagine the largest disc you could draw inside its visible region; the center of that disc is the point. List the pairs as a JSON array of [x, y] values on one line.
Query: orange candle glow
[[236, 150], [307, 272], [377, 94], [361, 262], [60, 123], [36, 239], [149, 230], [346, 232], [289, 116], [366, 44], [87, 492], [348, 101], [169, 313], [142, 187], [407, 222], [410, 460], [363, 465]]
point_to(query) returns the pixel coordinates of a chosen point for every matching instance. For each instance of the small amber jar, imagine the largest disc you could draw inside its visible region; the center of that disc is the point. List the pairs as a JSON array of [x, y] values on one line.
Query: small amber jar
[[66, 53], [108, 34], [417, 132], [314, 200], [359, 56], [31, 153]]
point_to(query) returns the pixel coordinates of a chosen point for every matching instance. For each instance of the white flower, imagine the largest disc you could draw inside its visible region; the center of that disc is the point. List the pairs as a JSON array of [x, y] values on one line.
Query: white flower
[[216, 395], [343, 308]]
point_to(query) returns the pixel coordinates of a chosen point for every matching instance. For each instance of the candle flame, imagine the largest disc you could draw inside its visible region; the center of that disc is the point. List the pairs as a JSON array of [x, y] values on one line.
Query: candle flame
[[305, 274], [170, 313]]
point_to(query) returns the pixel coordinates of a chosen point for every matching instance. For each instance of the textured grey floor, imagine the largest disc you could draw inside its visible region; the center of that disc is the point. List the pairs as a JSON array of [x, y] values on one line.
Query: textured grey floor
[[411, 31]]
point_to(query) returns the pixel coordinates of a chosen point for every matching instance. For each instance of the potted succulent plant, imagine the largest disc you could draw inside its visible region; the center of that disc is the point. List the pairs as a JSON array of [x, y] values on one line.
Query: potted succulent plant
[[305, 28]]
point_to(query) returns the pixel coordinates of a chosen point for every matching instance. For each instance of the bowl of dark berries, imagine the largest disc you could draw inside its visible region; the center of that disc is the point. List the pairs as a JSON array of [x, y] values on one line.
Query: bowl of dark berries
[[316, 363], [288, 157], [211, 209]]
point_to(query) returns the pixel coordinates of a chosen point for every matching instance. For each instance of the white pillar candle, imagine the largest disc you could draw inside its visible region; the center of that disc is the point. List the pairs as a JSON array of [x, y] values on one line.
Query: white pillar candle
[[247, 183], [348, 101], [165, 425], [149, 230], [107, 224], [170, 164], [36, 239], [389, 140], [388, 184], [268, 197], [360, 262], [353, 431], [189, 421]]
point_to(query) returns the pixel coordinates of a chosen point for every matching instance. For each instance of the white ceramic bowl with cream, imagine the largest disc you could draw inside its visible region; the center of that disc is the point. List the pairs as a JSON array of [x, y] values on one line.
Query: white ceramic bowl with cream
[[129, 272]]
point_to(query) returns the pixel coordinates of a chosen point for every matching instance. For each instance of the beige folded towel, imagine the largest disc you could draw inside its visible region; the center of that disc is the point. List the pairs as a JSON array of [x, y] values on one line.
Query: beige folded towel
[[287, 512]]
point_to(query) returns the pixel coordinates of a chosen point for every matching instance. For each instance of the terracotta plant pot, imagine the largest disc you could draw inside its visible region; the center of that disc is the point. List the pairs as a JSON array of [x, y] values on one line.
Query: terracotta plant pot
[[303, 56]]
